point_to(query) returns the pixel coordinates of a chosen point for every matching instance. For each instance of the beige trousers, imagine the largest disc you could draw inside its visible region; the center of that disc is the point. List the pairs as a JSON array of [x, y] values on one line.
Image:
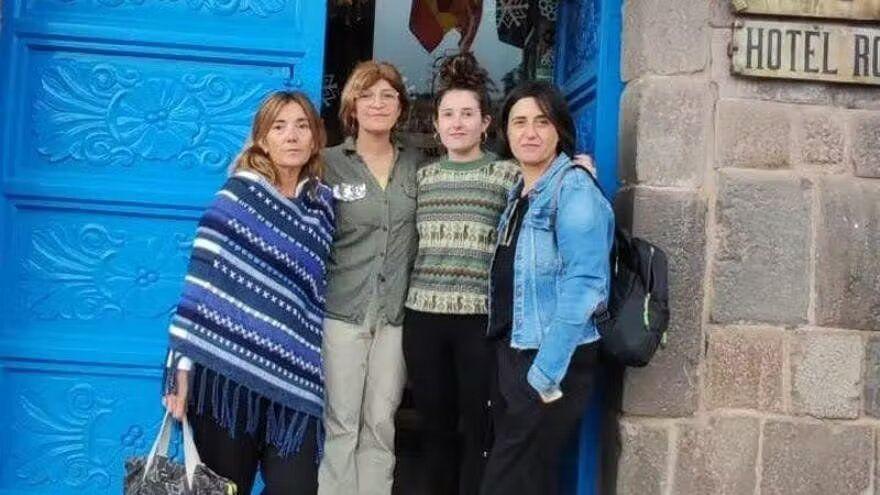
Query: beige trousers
[[364, 376]]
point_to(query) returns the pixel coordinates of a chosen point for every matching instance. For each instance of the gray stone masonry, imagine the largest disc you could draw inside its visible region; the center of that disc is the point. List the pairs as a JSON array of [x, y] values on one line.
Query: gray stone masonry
[[816, 458], [680, 27], [848, 254], [753, 134], [722, 13], [666, 132], [761, 264], [745, 369], [675, 221], [765, 194], [826, 374], [645, 449], [820, 141], [717, 456], [871, 372], [866, 143]]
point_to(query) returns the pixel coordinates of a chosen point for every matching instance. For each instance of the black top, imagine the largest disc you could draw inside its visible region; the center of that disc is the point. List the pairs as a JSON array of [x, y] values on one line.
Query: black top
[[502, 272]]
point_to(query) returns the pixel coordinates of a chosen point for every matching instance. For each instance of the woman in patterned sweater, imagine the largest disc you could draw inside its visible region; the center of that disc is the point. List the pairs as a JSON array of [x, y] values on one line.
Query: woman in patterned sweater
[[460, 199]]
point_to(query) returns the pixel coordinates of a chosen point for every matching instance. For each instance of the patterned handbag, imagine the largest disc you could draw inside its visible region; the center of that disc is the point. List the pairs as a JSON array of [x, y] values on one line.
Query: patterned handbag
[[158, 475]]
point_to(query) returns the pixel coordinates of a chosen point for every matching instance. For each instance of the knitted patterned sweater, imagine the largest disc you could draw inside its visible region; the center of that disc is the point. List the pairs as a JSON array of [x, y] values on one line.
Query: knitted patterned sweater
[[457, 215], [252, 308]]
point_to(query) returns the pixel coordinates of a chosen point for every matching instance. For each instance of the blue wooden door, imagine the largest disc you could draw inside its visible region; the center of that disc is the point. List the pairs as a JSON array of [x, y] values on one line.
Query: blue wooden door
[[587, 70], [119, 120]]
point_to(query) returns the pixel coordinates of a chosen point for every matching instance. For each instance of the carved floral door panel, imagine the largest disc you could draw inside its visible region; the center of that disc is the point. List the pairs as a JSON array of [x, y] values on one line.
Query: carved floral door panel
[[120, 118]]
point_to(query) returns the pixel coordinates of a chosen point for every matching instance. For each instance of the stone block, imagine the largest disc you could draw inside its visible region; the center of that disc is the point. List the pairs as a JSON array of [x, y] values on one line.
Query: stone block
[[826, 374], [820, 138], [666, 129], [753, 134], [643, 457], [816, 458], [675, 221], [848, 253], [745, 369], [866, 143], [681, 27], [718, 457], [872, 376], [761, 265], [722, 13]]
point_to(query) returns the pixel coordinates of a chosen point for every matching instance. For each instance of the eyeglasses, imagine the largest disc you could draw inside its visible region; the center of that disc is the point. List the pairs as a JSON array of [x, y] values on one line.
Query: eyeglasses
[[384, 97]]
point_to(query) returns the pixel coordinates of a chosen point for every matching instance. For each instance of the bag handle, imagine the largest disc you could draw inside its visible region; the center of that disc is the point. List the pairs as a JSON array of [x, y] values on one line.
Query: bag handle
[[557, 190], [160, 445], [191, 457]]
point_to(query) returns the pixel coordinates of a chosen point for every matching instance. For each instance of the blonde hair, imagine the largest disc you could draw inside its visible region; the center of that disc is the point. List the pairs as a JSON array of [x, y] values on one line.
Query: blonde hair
[[255, 159], [364, 75]]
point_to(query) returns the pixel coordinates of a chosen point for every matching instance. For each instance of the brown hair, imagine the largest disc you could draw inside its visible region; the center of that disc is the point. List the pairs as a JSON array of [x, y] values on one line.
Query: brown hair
[[364, 75], [255, 159], [463, 72]]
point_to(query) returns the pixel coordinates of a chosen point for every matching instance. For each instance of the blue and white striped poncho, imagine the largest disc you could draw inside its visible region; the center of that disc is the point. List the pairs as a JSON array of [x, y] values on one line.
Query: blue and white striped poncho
[[253, 305]]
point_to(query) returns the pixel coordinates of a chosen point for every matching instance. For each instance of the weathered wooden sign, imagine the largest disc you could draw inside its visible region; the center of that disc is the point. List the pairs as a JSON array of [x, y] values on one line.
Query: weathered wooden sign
[[841, 9], [793, 50]]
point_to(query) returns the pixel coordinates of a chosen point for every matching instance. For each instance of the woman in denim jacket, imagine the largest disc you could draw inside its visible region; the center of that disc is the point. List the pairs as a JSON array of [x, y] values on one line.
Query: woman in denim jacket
[[550, 274]]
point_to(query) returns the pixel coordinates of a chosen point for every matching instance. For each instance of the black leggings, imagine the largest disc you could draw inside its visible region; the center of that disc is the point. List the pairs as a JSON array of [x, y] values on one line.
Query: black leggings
[[238, 458], [448, 362]]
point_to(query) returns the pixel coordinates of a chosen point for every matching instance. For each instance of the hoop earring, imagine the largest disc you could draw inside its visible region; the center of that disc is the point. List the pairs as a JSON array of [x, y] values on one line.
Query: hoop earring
[[436, 137], [484, 137]]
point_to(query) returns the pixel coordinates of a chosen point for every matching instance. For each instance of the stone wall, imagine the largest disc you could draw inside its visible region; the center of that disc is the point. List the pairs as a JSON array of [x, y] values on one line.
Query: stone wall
[[766, 196]]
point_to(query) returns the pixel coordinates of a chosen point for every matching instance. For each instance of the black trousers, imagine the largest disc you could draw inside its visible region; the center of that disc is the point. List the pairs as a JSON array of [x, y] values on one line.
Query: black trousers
[[530, 435], [448, 362], [239, 458]]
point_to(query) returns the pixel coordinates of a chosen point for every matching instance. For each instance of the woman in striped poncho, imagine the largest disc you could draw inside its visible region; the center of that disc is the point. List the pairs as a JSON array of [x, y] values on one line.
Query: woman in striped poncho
[[245, 365]]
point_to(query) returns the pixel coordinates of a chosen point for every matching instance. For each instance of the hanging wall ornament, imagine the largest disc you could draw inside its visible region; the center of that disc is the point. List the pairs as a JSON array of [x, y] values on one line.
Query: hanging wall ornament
[[513, 21], [548, 9], [430, 20]]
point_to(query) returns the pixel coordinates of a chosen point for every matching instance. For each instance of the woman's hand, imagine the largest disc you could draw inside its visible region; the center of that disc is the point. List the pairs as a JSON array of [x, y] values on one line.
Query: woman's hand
[[176, 403], [585, 162]]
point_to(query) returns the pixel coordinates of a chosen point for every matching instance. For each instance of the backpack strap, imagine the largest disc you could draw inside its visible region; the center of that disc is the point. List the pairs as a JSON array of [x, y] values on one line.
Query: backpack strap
[[554, 202]]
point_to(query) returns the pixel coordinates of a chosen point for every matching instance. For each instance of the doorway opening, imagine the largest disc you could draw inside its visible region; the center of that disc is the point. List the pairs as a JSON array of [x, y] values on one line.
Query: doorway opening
[[512, 39]]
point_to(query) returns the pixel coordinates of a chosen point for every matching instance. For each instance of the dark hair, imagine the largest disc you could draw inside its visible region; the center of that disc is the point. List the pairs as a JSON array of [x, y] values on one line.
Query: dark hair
[[551, 102], [463, 72]]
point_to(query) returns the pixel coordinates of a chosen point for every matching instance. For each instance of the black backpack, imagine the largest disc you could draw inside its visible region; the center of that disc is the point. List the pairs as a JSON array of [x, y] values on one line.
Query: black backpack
[[637, 316], [634, 323]]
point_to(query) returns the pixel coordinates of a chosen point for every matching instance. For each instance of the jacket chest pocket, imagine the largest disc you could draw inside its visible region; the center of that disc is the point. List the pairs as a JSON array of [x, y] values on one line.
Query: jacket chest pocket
[[542, 239]]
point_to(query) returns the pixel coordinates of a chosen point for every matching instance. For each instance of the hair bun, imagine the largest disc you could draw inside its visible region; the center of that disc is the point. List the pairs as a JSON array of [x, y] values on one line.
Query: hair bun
[[462, 71]]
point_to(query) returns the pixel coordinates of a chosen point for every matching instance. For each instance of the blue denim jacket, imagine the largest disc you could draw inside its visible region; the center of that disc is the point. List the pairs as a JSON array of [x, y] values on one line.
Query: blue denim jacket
[[561, 271]]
